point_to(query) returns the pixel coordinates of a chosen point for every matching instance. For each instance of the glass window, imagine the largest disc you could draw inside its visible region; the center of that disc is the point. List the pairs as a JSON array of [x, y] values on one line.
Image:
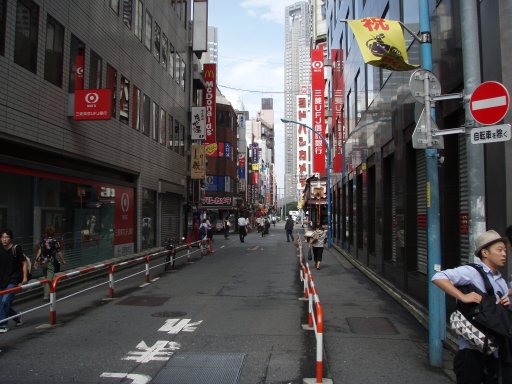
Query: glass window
[[182, 74], [385, 73], [3, 9], [171, 60], [371, 87], [146, 111], [96, 71], [148, 225], [164, 51], [182, 140], [76, 64], [114, 4], [112, 84], [162, 130], [156, 121], [137, 105], [138, 19], [124, 100], [410, 17], [176, 136], [53, 57], [148, 30], [169, 131], [156, 48], [26, 35], [178, 68], [127, 13]]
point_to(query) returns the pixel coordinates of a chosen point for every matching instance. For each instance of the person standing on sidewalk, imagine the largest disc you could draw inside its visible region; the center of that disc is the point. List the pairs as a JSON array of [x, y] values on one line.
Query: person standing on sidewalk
[[12, 274], [317, 242], [472, 366], [288, 227], [242, 230], [226, 226], [49, 256]]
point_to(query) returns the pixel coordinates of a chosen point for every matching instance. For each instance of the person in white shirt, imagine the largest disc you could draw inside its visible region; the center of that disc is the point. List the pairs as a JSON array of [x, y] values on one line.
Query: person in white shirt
[[242, 230]]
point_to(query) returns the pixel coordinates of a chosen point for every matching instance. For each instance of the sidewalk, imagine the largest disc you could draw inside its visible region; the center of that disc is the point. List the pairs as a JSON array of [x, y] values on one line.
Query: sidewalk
[[368, 336]]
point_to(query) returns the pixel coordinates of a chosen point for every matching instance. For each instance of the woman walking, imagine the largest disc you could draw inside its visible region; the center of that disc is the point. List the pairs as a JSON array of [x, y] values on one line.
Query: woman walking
[[317, 242]]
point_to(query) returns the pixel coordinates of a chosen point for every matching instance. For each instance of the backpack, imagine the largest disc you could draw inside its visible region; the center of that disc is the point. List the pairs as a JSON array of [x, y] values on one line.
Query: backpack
[[492, 319], [27, 260]]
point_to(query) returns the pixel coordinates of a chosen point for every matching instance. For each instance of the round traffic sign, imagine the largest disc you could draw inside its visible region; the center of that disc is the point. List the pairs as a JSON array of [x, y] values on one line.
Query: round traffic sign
[[489, 102]]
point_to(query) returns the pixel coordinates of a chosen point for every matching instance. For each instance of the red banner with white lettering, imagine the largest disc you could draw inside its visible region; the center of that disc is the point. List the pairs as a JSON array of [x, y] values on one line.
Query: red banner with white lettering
[[318, 110], [209, 98], [338, 88]]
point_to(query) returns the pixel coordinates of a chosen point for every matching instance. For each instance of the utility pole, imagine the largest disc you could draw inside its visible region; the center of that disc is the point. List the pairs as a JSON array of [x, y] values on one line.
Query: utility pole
[[475, 153], [436, 298]]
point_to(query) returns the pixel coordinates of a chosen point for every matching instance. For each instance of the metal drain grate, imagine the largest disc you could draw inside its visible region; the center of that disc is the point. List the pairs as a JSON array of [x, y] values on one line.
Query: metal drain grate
[[144, 301], [371, 326], [202, 368]]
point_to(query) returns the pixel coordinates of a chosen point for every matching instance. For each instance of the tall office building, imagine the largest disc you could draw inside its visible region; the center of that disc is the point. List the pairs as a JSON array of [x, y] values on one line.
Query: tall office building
[[297, 81]]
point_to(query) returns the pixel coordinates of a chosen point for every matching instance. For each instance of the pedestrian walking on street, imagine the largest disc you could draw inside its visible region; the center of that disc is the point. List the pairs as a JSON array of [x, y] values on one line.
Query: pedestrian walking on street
[[274, 219], [470, 365], [288, 227], [12, 274], [49, 256], [242, 228], [317, 242], [227, 226]]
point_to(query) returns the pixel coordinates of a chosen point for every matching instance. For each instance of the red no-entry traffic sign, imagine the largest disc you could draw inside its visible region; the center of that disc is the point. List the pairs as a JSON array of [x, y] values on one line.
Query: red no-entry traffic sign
[[489, 102]]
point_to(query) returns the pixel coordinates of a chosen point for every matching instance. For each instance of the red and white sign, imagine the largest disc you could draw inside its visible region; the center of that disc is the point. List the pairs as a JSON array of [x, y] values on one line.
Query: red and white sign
[[489, 102], [318, 112], [93, 104]]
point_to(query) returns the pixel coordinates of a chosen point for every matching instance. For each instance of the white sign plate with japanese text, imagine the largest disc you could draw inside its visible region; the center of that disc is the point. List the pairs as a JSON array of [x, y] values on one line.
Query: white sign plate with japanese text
[[491, 134]]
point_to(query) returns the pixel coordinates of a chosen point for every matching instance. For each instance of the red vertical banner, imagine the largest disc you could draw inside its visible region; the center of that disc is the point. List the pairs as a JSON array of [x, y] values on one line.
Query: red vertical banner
[[318, 110], [79, 75], [338, 90], [209, 98]]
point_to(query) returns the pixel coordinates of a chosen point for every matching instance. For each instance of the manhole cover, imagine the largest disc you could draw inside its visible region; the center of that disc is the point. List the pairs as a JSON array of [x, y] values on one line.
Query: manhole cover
[[371, 326], [144, 301], [200, 368], [169, 314]]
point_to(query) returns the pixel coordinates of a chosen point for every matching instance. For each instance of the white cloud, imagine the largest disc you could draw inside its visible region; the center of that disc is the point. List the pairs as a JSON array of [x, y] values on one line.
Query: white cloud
[[272, 10]]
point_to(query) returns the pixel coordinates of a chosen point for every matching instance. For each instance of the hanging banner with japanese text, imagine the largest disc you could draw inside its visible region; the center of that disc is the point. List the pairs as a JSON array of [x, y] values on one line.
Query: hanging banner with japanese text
[[198, 123], [381, 43], [338, 90], [197, 162], [318, 110]]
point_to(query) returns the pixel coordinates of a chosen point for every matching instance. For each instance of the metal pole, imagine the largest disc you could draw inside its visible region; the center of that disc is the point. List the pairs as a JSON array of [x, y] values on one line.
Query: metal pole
[[436, 298], [329, 225], [475, 153]]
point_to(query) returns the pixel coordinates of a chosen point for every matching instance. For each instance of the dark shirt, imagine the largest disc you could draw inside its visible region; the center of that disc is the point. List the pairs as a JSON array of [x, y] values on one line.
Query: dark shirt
[[49, 249], [289, 224], [10, 266]]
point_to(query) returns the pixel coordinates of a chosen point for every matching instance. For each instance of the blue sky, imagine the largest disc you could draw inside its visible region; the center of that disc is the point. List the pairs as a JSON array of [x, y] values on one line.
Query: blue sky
[[251, 57]]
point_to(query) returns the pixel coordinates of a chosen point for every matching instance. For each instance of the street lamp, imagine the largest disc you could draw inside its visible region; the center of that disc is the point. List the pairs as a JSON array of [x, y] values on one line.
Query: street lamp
[[329, 225]]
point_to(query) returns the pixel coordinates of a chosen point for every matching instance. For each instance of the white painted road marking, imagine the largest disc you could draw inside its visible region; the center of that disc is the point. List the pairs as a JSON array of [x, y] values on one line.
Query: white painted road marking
[[174, 326], [162, 350], [136, 379]]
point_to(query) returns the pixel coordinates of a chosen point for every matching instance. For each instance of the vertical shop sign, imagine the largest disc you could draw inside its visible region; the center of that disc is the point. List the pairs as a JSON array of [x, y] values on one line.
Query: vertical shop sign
[[337, 105], [209, 99], [198, 168], [124, 233], [318, 112], [198, 123], [79, 75]]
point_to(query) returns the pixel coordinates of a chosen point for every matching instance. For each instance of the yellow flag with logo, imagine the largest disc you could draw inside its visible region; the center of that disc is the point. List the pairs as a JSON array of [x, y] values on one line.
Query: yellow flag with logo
[[381, 43]]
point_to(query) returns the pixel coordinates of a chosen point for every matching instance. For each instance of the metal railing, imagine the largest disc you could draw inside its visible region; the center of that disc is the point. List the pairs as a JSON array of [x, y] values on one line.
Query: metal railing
[[110, 266]]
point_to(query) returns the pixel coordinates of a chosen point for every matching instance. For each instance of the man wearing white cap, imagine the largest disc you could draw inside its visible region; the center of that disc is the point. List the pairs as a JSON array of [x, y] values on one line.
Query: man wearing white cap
[[471, 366]]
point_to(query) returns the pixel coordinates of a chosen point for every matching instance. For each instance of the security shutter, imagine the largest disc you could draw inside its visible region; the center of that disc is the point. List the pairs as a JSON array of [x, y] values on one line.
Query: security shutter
[[464, 197], [422, 230], [170, 228]]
